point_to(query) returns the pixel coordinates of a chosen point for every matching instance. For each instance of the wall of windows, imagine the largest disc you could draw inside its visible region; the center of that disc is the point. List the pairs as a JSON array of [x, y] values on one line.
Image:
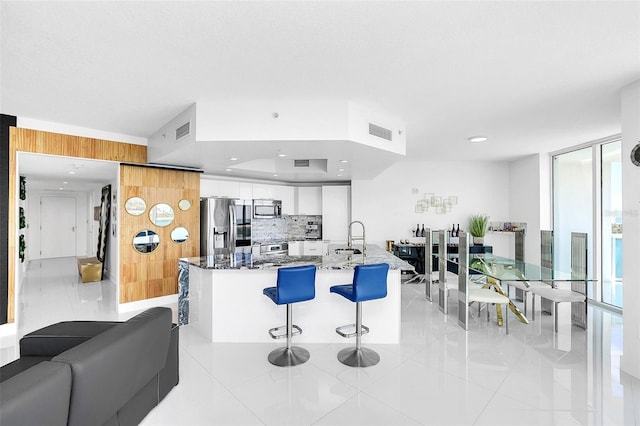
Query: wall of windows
[[587, 197]]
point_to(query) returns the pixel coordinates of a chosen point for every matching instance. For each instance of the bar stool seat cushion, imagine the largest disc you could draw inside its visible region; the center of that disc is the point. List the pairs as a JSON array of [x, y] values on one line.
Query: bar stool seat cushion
[[346, 291], [271, 293]]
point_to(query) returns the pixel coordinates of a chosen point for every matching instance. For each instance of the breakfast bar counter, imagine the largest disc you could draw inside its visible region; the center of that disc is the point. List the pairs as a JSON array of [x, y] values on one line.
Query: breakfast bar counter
[[223, 300]]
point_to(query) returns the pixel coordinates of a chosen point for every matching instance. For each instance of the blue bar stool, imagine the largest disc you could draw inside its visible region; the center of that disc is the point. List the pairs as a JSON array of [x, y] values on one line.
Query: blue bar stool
[[369, 283], [295, 284]]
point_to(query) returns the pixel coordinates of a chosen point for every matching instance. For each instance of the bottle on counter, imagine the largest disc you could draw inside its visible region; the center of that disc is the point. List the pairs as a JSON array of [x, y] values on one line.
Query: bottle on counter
[[417, 230], [453, 230], [422, 231], [458, 230]]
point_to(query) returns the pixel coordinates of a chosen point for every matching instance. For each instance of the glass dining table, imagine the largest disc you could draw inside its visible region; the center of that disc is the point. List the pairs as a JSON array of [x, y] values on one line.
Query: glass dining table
[[490, 271]]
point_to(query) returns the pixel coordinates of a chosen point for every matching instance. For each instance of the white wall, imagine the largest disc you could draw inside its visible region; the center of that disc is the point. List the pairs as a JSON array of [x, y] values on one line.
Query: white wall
[[526, 188], [631, 229], [33, 220], [164, 141], [386, 204], [297, 120], [546, 189], [573, 204]]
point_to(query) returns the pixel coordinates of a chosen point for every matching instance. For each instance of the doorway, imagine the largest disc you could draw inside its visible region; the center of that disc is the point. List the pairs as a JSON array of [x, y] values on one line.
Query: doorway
[[58, 226]]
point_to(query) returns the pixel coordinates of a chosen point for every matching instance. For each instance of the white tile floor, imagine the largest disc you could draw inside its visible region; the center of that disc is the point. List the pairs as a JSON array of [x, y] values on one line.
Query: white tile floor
[[437, 375]]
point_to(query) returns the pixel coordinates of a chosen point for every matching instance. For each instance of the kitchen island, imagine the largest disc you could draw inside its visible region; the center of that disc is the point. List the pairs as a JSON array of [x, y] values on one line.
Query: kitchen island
[[223, 300]]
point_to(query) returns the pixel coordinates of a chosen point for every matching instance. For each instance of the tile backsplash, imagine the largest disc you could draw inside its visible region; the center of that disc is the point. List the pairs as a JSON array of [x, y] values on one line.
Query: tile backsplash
[[286, 228]]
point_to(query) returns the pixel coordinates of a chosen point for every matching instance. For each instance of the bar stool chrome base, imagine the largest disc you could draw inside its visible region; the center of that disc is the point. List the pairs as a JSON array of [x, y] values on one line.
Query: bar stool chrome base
[[362, 357], [288, 357]]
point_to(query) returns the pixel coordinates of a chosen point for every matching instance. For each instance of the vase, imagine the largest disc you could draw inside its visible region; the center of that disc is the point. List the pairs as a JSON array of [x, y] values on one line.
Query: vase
[[478, 241]]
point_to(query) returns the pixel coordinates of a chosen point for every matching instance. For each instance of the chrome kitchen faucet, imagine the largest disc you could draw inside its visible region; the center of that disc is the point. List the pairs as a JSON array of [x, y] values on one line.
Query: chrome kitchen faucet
[[351, 238]]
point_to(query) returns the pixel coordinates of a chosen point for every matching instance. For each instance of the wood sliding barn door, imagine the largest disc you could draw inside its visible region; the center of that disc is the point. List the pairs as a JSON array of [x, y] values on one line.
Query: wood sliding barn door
[[155, 274]]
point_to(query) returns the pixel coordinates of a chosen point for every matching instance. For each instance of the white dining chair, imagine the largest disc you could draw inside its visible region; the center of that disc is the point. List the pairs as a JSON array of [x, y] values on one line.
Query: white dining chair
[[488, 296], [556, 296]]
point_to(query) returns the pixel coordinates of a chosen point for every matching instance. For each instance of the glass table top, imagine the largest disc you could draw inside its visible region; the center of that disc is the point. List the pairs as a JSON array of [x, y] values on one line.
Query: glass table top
[[506, 269]]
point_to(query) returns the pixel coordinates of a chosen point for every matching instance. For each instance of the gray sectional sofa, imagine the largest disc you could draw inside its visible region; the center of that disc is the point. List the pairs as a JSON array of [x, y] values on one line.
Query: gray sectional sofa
[[91, 372]]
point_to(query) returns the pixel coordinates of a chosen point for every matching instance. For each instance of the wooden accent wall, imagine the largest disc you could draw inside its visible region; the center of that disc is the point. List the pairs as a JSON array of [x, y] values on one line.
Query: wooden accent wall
[[143, 276], [35, 141]]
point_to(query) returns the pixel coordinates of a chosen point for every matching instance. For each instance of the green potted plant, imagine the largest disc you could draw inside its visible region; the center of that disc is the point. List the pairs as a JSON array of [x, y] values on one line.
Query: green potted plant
[[478, 228]]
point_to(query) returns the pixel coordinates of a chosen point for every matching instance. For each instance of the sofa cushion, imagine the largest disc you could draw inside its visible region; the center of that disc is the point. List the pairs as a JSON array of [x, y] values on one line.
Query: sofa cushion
[[57, 338], [37, 396], [20, 365], [132, 413], [113, 366]]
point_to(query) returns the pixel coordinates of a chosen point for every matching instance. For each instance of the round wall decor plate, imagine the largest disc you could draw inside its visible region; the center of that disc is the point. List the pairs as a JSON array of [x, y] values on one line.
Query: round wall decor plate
[[635, 155]]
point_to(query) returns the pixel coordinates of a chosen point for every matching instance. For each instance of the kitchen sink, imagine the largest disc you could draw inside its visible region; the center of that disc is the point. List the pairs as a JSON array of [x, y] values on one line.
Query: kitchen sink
[[348, 251]]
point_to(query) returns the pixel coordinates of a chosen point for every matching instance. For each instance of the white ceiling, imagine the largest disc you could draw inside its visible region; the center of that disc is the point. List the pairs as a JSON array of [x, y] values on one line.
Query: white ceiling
[[533, 76], [54, 173]]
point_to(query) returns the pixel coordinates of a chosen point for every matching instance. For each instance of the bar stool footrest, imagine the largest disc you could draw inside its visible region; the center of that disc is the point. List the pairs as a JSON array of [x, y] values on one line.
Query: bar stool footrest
[[281, 332], [350, 330]]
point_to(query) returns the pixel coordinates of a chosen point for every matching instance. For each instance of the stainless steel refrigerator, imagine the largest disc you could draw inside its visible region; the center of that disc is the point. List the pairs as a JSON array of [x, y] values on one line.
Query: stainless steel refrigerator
[[225, 226]]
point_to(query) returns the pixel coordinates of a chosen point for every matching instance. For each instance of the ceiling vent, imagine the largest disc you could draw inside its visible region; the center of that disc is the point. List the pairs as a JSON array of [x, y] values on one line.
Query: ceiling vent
[[380, 132], [300, 163], [183, 130]]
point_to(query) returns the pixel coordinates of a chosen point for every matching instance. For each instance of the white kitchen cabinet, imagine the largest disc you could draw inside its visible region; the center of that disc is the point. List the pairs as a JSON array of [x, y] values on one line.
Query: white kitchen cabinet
[[287, 195], [296, 248], [262, 192], [219, 188], [309, 200], [336, 212], [284, 193], [312, 248], [246, 191]]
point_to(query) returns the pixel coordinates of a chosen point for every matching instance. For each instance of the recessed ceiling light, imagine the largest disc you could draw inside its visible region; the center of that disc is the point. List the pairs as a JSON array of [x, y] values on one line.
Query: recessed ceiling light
[[344, 161], [282, 155], [227, 170], [478, 138], [341, 170], [339, 175], [65, 182], [71, 172], [61, 188], [233, 158], [275, 175]]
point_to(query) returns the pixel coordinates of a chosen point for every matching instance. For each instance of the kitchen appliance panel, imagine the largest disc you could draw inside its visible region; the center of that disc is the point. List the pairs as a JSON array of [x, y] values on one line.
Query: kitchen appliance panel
[[274, 248], [267, 209], [243, 223], [225, 225], [313, 230]]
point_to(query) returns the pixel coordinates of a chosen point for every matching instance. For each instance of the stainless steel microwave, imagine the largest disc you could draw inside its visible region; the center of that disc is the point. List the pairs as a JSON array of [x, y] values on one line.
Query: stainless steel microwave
[[267, 209]]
